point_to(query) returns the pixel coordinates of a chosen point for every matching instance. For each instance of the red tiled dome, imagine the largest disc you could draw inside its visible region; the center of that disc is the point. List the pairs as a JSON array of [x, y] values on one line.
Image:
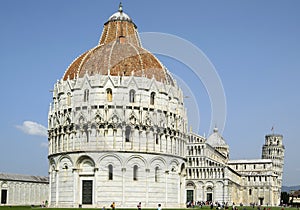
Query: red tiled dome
[[119, 52]]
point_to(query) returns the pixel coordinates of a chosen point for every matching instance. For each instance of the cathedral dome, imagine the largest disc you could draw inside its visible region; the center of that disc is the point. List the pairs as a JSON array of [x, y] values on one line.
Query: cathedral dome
[[216, 140], [119, 53]]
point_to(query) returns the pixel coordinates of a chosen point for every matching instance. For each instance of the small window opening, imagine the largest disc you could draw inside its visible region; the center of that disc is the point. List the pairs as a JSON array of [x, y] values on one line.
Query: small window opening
[[110, 172], [127, 134], [135, 173], [156, 173], [109, 94], [132, 96], [156, 139], [152, 97], [86, 95]]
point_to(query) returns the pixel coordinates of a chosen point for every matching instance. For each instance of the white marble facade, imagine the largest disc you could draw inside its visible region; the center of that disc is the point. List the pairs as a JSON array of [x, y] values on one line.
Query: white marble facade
[[211, 176], [130, 151], [23, 189], [118, 133]]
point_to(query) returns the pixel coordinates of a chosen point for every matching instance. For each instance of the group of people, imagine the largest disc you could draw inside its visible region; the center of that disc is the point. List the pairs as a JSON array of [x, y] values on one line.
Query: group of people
[[215, 205], [139, 206], [192, 204], [44, 204]]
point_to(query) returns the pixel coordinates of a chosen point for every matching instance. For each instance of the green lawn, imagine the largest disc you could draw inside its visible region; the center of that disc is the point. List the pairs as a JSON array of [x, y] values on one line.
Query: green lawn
[[196, 208]]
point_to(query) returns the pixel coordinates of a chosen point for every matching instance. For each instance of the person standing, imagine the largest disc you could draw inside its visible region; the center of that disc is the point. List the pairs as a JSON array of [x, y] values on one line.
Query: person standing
[[139, 206], [113, 206], [159, 207]]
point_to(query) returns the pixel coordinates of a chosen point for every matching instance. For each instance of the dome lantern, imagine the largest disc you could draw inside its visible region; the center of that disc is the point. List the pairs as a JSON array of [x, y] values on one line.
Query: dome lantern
[[120, 7], [120, 15]]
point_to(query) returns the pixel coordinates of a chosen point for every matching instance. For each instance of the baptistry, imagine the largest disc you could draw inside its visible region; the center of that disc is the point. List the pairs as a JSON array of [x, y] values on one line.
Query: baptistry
[[117, 127]]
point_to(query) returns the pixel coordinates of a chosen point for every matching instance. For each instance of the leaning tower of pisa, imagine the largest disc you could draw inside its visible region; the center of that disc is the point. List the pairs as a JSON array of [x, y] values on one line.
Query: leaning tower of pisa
[[274, 149]]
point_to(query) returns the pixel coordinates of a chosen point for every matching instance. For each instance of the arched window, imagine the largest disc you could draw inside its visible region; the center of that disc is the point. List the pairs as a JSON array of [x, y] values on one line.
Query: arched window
[[250, 192], [109, 94], [156, 174], [110, 172], [86, 95], [152, 97], [127, 134], [135, 173], [65, 166], [132, 96]]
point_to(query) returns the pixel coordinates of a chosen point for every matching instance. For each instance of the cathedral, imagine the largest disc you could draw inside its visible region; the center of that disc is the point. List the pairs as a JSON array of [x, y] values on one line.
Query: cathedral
[[211, 176], [117, 132]]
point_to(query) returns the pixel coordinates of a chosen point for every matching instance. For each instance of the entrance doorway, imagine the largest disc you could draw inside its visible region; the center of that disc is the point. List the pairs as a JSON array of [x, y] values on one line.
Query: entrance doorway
[[87, 192], [261, 201], [189, 195], [3, 196], [209, 197]]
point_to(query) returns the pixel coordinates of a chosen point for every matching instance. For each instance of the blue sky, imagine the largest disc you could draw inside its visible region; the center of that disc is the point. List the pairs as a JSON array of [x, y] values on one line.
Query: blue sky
[[254, 46]]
